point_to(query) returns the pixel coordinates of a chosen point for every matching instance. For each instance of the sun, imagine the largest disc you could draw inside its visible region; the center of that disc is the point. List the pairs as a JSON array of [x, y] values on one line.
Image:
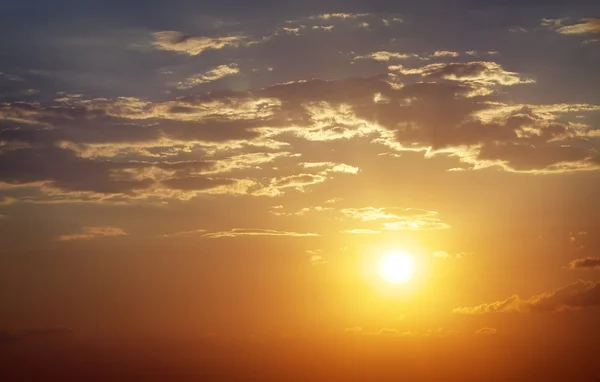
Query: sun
[[396, 267]]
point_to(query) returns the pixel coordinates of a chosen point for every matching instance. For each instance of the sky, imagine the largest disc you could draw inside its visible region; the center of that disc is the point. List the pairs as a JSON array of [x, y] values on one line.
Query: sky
[[232, 174]]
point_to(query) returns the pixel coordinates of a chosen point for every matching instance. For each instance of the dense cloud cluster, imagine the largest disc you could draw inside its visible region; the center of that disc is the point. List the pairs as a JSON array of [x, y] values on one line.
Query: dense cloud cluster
[[81, 144]]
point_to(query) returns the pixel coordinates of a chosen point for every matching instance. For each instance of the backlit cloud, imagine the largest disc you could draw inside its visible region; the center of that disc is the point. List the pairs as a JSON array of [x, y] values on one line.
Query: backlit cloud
[[395, 219], [89, 233], [384, 56], [238, 232], [483, 72], [209, 76], [178, 42], [585, 26], [579, 295]]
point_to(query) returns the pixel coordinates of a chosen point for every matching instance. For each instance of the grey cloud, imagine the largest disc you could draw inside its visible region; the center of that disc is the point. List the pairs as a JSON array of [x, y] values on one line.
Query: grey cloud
[[65, 170]]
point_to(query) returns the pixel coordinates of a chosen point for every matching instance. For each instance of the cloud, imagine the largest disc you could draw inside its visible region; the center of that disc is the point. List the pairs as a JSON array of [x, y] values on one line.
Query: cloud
[[123, 146], [342, 16], [211, 75], [487, 331], [301, 212], [384, 56], [585, 26], [178, 42], [589, 263], [316, 259], [10, 77], [332, 167], [237, 232], [445, 53], [480, 72], [579, 295], [90, 233], [361, 231], [65, 170], [394, 219], [186, 233], [193, 183], [298, 181], [354, 330]]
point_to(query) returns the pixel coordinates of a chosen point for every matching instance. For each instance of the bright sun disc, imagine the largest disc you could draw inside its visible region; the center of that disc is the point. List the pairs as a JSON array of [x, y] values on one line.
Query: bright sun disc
[[397, 267]]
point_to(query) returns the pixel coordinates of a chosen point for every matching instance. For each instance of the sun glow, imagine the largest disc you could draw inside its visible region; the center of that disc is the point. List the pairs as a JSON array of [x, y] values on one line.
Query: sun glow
[[396, 267]]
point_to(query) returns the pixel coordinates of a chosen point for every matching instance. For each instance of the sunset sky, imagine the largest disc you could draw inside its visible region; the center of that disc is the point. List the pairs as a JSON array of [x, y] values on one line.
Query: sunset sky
[[239, 171]]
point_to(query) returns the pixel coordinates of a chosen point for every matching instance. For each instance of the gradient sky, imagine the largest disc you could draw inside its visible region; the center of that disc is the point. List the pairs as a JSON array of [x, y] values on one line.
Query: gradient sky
[[179, 168]]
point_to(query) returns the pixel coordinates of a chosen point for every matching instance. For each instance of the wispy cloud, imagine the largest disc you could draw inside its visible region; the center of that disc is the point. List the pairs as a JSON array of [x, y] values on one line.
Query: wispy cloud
[[585, 26], [395, 219], [179, 42], [238, 232], [211, 75], [89, 233]]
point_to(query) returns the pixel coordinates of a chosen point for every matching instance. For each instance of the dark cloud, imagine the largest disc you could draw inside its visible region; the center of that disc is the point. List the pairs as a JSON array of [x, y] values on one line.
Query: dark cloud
[[63, 169], [589, 263], [579, 295], [442, 116]]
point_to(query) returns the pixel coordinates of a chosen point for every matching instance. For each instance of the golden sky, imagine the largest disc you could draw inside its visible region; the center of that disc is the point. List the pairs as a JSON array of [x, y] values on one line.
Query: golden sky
[[417, 176]]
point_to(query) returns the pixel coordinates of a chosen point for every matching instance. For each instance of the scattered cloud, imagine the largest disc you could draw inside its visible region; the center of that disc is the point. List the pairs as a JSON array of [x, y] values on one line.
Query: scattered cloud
[[518, 30], [354, 330], [332, 167], [384, 56], [123, 146], [89, 233], [487, 331], [237, 232], [480, 72], [186, 233], [316, 257], [445, 53], [178, 42], [211, 75], [10, 77], [585, 26], [342, 16], [394, 219], [588, 263], [361, 231], [579, 295]]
